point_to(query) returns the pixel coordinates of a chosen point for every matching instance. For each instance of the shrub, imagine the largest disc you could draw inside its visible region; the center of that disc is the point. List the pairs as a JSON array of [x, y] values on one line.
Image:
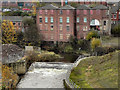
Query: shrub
[[105, 50], [68, 49], [116, 31], [92, 34], [9, 78], [95, 43], [83, 44]]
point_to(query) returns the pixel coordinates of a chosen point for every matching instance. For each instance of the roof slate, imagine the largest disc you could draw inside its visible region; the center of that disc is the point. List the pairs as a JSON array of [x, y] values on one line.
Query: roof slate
[[14, 18], [49, 6], [102, 7], [81, 7], [67, 7]]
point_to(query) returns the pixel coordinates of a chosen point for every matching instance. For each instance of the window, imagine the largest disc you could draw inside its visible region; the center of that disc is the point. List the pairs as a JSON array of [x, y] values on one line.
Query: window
[[51, 19], [104, 22], [40, 26], [68, 20], [85, 12], [97, 11], [60, 11], [40, 11], [85, 28], [61, 20], [46, 19], [68, 28], [18, 23], [77, 12], [77, 19], [14, 23], [91, 12], [46, 11], [68, 12], [52, 36], [61, 27], [78, 28], [67, 36], [46, 27], [61, 36], [52, 11], [46, 36], [51, 27], [85, 19], [115, 16], [40, 20]]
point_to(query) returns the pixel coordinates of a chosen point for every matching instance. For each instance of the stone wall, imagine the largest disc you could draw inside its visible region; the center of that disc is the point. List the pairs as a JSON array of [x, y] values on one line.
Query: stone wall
[[18, 67]]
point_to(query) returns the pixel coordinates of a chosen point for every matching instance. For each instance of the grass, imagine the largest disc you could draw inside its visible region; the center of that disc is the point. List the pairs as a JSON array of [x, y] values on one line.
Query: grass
[[107, 40], [97, 72]]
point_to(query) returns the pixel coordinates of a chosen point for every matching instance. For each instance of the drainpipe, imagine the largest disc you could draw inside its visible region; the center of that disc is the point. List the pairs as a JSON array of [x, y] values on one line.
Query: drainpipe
[[109, 23]]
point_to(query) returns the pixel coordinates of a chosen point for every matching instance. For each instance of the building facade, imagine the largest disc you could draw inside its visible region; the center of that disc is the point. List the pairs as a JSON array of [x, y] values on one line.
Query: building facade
[[16, 20], [58, 24], [115, 14]]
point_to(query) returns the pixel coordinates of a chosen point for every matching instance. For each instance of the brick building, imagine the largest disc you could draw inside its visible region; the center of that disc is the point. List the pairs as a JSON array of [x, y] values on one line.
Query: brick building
[[115, 13], [87, 2], [58, 24], [16, 20]]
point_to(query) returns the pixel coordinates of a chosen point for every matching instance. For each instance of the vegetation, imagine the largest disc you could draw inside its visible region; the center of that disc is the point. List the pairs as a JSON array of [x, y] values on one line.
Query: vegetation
[[116, 31], [68, 49], [9, 78], [8, 32], [92, 34], [95, 43], [31, 34], [45, 56], [97, 72], [15, 13]]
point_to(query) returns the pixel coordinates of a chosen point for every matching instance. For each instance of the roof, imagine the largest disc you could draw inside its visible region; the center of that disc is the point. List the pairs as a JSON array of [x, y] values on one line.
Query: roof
[[49, 6], [81, 7], [11, 53], [67, 7], [13, 18], [114, 9], [102, 7]]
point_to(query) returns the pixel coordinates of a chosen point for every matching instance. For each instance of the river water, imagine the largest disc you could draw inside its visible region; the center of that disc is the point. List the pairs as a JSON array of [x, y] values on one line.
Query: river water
[[45, 75]]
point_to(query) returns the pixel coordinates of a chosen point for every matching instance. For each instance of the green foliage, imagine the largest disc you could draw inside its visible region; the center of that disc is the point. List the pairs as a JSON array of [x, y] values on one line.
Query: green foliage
[[92, 34], [95, 43], [97, 72], [116, 31], [68, 49], [31, 34], [15, 13], [38, 4], [83, 44], [74, 4], [73, 41]]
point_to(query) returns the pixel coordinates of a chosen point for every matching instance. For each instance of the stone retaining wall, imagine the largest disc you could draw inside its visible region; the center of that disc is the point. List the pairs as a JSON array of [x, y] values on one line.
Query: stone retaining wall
[[69, 83]]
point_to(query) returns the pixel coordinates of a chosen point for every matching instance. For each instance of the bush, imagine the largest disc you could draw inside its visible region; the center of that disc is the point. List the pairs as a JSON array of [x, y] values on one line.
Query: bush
[[95, 43], [68, 49], [83, 44], [9, 78], [92, 34], [105, 50], [116, 31]]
